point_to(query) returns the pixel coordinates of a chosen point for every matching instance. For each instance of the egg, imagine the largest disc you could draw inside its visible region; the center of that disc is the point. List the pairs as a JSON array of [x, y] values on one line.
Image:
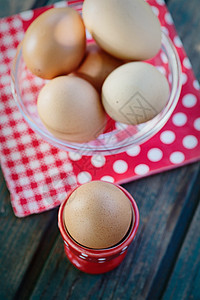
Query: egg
[[54, 44], [97, 65], [135, 93], [70, 108], [126, 29], [98, 215]]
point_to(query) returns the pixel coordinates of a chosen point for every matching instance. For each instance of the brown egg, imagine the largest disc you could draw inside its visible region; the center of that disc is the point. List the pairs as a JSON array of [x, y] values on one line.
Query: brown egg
[[98, 215], [97, 65], [126, 29], [70, 108], [54, 43]]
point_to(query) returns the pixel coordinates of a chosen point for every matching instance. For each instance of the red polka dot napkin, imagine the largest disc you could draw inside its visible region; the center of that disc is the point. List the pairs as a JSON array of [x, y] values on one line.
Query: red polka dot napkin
[[39, 176]]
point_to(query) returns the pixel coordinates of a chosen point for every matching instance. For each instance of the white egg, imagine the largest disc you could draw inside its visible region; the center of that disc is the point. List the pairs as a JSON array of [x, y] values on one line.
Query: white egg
[[135, 93]]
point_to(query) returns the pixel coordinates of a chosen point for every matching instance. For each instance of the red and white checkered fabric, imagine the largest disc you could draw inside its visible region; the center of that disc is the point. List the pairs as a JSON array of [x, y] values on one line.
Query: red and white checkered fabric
[[39, 176]]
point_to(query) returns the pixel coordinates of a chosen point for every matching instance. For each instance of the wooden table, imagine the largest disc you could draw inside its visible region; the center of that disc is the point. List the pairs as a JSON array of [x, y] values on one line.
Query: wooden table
[[164, 261]]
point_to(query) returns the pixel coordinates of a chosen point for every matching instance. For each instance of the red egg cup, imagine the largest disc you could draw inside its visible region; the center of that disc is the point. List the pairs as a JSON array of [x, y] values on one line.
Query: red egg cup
[[96, 261]]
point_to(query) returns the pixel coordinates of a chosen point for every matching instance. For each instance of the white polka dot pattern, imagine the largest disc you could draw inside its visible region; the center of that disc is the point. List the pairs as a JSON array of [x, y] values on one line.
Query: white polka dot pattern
[[186, 63], [167, 137], [27, 15], [160, 2], [74, 156], [183, 78], [155, 154], [197, 124], [168, 18], [179, 119], [190, 142], [133, 151], [177, 157], [189, 100], [98, 160], [196, 85], [164, 57], [141, 169], [60, 4], [120, 166], [84, 177], [155, 10], [177, 42], [107, 178]]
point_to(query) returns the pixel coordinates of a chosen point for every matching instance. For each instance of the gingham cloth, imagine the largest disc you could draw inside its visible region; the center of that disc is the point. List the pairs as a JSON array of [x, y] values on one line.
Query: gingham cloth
[[39, 176]]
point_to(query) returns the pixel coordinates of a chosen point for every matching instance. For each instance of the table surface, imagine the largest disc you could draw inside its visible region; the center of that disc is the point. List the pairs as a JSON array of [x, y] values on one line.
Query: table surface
[[164, 260]]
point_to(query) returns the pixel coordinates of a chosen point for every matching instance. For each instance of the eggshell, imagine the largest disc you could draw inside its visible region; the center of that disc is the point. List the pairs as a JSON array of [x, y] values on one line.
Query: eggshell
[[97, 65], [98, 215], [54, 43], [126, 29], [71, 109], [135, 93]]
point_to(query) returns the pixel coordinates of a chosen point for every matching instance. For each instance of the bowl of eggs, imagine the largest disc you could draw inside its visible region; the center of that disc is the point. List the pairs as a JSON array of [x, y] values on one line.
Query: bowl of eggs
[[96, 81]]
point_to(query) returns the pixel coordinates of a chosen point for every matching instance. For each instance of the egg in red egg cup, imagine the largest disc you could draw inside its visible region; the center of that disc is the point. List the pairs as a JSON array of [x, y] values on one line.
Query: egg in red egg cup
[[96, 261]]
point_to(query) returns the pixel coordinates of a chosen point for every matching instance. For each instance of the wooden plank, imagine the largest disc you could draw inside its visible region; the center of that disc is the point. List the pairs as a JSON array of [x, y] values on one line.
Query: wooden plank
[[187, 20], [20, 239], [5, 196], [10, 7], [39, 3], [177, 238], [161, 200], [185, 280]]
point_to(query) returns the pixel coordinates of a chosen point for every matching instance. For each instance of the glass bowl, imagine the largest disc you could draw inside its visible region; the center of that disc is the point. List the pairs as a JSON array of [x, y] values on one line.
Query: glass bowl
[[118, 137]]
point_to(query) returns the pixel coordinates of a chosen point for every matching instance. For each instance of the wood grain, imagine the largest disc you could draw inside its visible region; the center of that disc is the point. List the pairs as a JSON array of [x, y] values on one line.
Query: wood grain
[[187, 20], [5, 197], [185, 281], [19, 240], [11, 7]]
